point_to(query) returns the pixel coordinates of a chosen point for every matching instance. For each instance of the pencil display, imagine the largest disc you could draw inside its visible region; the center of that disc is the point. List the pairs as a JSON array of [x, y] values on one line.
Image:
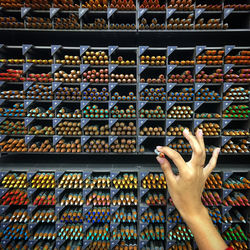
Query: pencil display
[[114, 216]]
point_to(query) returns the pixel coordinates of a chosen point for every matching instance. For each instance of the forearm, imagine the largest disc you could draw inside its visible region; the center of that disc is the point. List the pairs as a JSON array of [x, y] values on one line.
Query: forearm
[[205, 233]]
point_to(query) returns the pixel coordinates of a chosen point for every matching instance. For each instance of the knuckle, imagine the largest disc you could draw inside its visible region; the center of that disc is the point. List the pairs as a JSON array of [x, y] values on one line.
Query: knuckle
[[199, 151], [189, 176], [176, 155]]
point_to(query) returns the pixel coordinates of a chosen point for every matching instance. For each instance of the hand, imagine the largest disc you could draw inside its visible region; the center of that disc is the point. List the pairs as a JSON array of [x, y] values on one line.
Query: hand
[[186, 188]]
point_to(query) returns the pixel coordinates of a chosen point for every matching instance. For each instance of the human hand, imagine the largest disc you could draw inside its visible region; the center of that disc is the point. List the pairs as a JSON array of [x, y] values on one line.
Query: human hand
[[186, 188]]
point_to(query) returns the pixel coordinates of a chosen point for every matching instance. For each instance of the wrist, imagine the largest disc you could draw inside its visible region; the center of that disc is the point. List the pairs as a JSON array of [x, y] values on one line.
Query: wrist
[[199, 214]]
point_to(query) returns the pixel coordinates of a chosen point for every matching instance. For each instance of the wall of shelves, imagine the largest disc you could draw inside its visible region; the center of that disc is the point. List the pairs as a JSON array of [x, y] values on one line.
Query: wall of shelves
[[34, 42], [139, 191], [142, 71], [225, 13]]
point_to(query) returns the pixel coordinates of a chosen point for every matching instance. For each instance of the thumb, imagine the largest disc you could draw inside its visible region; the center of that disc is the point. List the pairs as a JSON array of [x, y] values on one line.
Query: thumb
[[167, 169]]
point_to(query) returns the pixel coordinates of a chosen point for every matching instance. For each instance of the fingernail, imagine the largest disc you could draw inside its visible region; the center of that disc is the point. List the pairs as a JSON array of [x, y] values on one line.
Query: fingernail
[[186, 131], [159, 147], [200, 132], [160, 159]]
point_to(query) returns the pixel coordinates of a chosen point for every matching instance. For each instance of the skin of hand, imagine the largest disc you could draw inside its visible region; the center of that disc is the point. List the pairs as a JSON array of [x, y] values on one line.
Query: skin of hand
[[186, 189]]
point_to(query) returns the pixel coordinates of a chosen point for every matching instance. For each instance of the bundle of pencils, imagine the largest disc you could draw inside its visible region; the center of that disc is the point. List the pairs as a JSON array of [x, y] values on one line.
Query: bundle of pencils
[[125, 215], [123, 245], [153, 198], [102, 181], [72, 215], [41, 245], [237, 182], [19, 215], [182, 246], [125, 232], [45, 198], [71, 180], [126, 181], [73, 198], [16, 232], [43, 180], [235, 233], [15, 180], [213, 181], [236, 244], [180, 233], [154, 180], [153, 215], [14, 197], [98, 198], [128, 198], [154, 232], [20, 245], [98, 245], [71, 232], [98, 232], [175, 217], [98, 214], [45, 232], [236, 199], [157, 245], [73, 245], [216, 215], [44, 215], [211, 198]]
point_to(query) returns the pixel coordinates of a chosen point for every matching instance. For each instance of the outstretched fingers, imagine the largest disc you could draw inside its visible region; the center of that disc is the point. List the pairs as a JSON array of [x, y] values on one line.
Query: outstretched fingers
[[212, 163]]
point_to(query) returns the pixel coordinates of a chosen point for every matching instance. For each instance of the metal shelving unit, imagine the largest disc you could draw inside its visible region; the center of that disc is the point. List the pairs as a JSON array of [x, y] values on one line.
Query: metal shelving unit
[[140, 192], [30, 51], [27, 43]]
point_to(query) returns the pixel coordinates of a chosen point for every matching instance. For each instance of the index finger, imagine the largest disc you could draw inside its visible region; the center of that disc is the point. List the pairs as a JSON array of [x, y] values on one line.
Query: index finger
[[174, 156]]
